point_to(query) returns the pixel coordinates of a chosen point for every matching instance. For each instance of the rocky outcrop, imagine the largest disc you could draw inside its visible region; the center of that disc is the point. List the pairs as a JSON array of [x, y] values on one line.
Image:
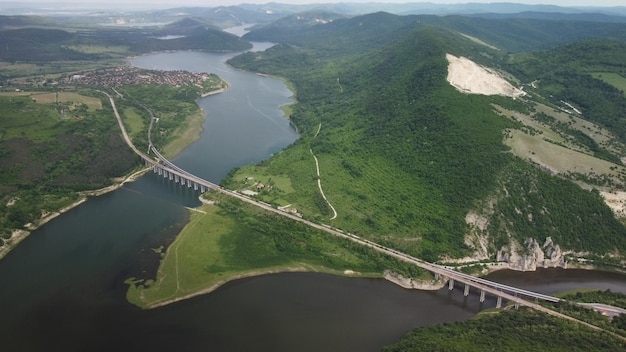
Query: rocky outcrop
[[531, 254], [412, 283]]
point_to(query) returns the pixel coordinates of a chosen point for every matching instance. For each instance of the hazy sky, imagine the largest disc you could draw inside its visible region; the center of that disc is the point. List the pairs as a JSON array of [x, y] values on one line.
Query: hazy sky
[[212, 3]]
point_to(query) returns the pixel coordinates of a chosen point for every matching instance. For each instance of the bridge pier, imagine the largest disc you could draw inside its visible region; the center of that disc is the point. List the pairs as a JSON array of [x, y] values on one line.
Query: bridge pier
[[188, 184], [466, 291], [171, 176], [450, 284], [195, 186], [437, 276], [175, 178], [482, 296], [499, 302]]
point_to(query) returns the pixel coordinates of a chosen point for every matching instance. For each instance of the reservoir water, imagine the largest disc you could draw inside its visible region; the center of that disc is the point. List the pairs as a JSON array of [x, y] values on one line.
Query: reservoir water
[[63, 287]]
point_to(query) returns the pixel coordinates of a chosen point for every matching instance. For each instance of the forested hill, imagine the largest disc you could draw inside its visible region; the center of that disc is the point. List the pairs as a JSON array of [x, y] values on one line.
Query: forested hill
[[507, 32], [33, 39], [405, 157], [358, 34]]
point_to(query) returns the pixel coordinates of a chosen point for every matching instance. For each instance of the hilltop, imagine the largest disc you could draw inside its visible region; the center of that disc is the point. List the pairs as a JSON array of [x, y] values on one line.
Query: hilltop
[[408, 160]]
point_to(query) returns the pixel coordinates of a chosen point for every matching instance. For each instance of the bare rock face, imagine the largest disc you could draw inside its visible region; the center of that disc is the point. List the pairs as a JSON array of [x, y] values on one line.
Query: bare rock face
[[530, 255]]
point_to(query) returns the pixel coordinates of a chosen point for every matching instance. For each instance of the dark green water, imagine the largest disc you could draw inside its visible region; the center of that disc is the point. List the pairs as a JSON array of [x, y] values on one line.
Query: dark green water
[[63, 287]]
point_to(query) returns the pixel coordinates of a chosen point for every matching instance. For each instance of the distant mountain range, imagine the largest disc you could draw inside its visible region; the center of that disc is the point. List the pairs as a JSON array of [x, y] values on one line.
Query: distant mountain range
[[277, 10]]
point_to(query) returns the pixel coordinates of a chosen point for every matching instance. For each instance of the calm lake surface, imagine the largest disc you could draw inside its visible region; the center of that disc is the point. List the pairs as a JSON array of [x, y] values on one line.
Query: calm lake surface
[[63, 287]]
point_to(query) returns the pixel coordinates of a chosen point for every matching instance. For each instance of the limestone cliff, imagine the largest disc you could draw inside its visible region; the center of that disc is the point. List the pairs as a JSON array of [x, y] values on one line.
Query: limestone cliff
[[531, 254]]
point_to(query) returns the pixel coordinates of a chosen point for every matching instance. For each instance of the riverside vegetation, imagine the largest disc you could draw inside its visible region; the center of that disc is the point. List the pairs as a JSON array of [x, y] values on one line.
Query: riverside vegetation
[[54, 151], [525, 329], [59, 138]]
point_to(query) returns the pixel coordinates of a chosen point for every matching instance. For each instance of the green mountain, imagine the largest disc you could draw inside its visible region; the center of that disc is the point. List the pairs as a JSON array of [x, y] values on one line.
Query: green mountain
[[34, 44], [408, 160], [32, 39], [360, 34], [507, 32]]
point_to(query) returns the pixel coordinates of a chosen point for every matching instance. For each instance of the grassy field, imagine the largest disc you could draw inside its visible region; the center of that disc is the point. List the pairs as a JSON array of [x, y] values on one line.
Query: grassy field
[[208, 253], [557, 158], [134, 122], [599, 134], [55, 69], [73, 99], [184, 136], [233, 239], [276, 187], [551, 147], [614, 79]]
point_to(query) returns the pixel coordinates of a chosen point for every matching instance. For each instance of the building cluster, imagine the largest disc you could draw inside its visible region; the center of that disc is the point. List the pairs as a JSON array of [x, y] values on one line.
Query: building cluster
[[124, 75]]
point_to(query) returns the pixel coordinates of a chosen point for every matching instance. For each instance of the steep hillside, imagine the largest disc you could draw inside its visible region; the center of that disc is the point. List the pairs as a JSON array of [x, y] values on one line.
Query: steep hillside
[[410, 161]]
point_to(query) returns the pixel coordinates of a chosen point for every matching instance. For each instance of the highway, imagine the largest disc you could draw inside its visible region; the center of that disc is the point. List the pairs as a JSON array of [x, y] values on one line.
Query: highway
[[512, 294], [497, 289]]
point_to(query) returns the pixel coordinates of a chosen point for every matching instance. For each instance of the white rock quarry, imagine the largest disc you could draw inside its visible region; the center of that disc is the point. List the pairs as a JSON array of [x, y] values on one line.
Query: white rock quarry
[[469, 77]]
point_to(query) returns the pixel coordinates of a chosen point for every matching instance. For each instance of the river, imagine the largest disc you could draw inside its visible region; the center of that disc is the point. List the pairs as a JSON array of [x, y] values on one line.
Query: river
[[63, 287]]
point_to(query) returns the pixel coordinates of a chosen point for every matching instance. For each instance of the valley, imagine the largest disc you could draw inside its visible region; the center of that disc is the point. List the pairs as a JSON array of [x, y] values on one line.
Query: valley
[[474, 142]]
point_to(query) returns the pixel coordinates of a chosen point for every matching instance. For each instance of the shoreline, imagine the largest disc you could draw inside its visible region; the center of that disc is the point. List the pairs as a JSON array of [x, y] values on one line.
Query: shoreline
[[302, 268], [394, 278], [18, 235], [193, 129], [223, 282]]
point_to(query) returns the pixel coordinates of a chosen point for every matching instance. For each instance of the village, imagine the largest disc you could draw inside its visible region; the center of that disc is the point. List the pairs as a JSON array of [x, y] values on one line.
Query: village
[[123, 75]]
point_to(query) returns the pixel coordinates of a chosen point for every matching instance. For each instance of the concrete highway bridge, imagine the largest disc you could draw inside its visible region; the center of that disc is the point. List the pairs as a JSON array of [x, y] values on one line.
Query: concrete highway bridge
[[163, 167]]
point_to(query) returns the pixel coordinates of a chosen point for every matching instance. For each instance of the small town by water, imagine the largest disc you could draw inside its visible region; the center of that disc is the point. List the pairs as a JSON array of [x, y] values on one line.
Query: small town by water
[[63, 287]]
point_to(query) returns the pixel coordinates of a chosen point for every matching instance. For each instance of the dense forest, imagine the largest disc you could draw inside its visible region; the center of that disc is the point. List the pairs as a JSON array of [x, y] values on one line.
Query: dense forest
[[50, 151], [523, 330], [408, 155], [40, 45]]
